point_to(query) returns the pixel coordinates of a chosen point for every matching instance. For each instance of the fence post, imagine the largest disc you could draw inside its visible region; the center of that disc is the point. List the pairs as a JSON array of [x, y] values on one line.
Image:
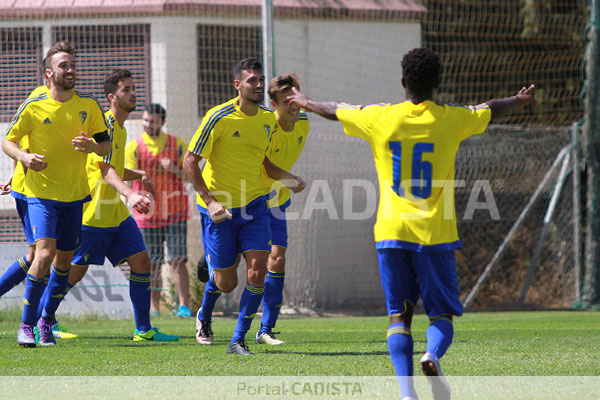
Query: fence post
[[591, 147]]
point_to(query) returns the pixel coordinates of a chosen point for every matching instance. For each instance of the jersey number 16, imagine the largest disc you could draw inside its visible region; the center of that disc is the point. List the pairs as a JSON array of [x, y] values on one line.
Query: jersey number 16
[[422, 171]]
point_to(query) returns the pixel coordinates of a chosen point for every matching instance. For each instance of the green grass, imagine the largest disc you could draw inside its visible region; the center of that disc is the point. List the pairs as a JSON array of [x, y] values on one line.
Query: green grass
[[517, 343]]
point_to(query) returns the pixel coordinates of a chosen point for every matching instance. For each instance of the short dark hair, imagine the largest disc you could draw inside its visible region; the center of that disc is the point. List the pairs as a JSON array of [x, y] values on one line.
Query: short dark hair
[[421, 69], [59, 47], [281, 83], [245, 65], [111, 82], [155, 108]]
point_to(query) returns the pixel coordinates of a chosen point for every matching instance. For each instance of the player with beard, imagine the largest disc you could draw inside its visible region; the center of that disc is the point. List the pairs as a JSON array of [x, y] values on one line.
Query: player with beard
[[161, 154], [108, 230], [234, 138], [60, 125]]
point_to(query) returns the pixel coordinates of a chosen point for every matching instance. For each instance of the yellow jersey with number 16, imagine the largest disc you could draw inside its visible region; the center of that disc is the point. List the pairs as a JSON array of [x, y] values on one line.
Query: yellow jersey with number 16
[[414, 146]]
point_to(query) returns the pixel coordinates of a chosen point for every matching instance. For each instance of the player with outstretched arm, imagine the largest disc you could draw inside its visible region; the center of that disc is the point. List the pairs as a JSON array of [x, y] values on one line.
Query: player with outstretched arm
[[414, 144]]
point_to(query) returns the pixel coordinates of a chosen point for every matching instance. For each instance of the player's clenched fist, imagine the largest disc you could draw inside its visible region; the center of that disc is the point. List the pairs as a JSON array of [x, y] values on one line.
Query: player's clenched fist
[[139, 202], [218, 212], [34, 161]]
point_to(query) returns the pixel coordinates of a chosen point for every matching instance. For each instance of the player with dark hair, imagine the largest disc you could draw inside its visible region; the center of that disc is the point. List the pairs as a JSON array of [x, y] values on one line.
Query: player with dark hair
[[160, 155], [286, 145], [414, 144], [17, 271], [60, 125], [108, 230], [234, 138]]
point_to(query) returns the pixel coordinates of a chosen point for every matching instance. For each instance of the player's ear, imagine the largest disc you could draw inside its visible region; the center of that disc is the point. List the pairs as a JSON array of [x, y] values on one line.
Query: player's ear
[[403, 83], [273, 104], [236, 84]]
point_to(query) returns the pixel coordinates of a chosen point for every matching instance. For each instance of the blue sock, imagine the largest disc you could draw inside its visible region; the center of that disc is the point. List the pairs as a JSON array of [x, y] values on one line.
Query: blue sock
[[439, 336], [272, 300], [68, 288], [34, 287], [56, 292], [211, 295], [139, 292], [44, 297], [14, 275], [251, 298], [400, 344]]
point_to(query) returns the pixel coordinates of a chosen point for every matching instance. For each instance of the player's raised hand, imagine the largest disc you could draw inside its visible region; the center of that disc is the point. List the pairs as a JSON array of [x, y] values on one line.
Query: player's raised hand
[[34, 161], [140, 203], [218, 212], [299, 98], [527, 95]]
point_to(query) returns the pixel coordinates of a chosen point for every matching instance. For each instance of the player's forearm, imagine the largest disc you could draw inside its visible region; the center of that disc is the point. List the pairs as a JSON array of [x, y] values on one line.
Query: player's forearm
[[192, 169], [326, 109], [13, 150], [506, 105], [274, 172], [114, 180]]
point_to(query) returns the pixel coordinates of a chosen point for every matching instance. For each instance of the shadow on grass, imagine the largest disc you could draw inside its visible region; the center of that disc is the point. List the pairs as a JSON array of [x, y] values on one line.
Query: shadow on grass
[[329, 353]]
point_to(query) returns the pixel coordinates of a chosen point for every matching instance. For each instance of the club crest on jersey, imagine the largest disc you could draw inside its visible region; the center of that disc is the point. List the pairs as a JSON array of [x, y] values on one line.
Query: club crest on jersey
[[83, 116], [268, 130]]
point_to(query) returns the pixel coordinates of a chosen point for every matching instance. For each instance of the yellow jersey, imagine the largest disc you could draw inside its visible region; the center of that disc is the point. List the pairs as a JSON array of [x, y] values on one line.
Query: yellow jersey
[[235, 145], [284, 151], [51, 126], [106, 210], [18, 180], [414, 146]]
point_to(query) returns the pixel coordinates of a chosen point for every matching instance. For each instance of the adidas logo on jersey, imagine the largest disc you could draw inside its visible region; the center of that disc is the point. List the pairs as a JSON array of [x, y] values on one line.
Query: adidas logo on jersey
[[236, 134], [277, 151], [47, 121], [300, 140], [83, 116]]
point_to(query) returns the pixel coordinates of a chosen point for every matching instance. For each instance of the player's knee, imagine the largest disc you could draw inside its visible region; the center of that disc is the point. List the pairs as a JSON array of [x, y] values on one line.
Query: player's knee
[[226, 286], [45, 256], [277, 262], [143, 266]]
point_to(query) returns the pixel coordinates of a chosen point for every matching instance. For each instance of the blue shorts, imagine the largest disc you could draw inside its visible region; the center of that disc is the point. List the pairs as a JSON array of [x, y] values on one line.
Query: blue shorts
[[55, 220], [407, 274], [225, 240], [22, 211], [279, 235], [116, 244], [175, 235]]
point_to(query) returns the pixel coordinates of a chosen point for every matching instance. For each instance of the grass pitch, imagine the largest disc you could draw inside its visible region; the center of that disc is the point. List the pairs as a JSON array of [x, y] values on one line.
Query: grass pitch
[[485, 344]]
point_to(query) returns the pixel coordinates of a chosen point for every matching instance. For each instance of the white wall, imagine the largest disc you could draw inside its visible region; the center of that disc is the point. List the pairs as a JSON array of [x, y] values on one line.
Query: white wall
[[356, 62]]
